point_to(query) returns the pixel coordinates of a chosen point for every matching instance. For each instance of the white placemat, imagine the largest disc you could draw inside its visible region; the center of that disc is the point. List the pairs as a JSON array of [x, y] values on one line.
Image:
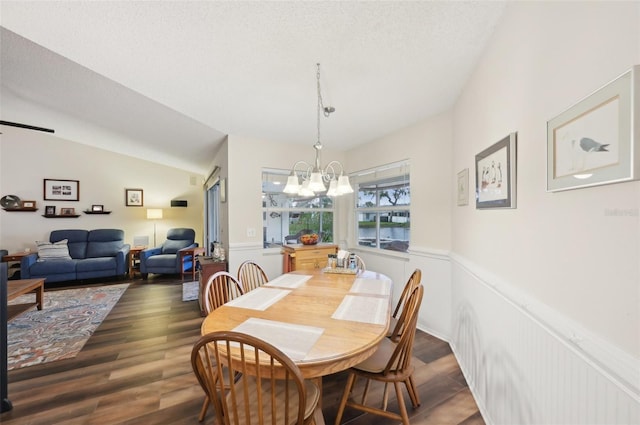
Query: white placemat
[[363, 309], [259, 299], [371, 286], [289, 280], [294, 340]]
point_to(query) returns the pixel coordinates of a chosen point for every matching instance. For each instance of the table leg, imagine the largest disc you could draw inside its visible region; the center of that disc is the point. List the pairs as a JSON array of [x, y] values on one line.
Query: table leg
[[40, 296]]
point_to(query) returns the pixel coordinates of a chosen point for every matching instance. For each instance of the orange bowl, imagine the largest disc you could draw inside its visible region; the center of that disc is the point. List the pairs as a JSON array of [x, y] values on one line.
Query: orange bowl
[[309, 239]]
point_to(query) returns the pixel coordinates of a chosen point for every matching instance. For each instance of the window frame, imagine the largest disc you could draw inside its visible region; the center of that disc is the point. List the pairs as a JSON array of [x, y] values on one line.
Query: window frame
[[399, 171]]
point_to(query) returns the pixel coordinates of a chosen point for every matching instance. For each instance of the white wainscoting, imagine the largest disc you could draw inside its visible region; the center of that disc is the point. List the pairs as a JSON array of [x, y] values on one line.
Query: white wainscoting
[[523, 366]]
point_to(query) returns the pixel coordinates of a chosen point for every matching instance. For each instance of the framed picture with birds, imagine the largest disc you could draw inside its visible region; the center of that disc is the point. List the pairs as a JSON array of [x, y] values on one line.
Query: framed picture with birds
[[594, 142], [496, 175]]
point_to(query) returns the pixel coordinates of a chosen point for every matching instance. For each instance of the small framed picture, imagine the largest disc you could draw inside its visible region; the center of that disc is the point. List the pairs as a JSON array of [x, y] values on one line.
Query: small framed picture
[[28, 204], [496, 175], [50, 210], [67, 211], [97, 208], [463, 187], [134, 197]]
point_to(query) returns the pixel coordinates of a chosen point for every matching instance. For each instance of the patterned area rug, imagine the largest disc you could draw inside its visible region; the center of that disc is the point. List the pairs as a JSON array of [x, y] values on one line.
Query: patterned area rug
[[62, 327], [190, 291]]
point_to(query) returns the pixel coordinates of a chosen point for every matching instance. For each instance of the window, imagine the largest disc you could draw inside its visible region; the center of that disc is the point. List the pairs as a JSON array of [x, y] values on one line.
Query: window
[[286, 217], [383, 207]]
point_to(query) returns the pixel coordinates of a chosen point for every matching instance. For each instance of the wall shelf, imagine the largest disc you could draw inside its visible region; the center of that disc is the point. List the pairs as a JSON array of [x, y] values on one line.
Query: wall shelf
[[97, 212], [21, 209], [61, 216]]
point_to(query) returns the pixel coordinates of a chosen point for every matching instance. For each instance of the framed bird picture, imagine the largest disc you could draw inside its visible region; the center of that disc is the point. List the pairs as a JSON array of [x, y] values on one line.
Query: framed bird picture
[[496, 175], [593, 142]]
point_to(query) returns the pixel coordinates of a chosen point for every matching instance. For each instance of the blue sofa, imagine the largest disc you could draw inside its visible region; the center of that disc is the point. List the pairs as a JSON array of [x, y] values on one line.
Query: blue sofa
[[94, 253]]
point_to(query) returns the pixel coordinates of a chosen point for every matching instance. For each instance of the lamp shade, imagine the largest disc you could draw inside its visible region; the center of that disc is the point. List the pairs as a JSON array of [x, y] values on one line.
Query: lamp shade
[[343, 185], [316, 184], [292, 184], [154, 213]]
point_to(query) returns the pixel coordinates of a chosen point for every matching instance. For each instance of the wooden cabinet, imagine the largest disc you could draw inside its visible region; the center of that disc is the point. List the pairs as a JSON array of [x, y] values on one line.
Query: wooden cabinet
[[208, 267], [306, 257]]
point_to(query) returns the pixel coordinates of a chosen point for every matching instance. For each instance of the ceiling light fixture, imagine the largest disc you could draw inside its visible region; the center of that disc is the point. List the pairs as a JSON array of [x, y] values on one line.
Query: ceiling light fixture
[[314, 176]]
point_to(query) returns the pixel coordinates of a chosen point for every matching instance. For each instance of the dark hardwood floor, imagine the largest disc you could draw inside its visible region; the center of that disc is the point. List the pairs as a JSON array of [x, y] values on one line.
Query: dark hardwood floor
[[135, 369]]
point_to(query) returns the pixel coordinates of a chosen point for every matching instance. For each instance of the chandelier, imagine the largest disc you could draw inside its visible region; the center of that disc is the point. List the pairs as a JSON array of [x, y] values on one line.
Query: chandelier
[[314, 177]]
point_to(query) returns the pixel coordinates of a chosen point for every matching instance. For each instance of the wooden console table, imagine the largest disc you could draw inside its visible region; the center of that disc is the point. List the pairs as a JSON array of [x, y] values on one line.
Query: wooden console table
[[306, 257]]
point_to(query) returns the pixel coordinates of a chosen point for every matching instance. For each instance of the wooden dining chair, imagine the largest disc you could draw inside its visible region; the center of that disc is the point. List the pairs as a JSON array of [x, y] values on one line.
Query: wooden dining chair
[[390, 363], [251, 275], [221, 288], [269, 384], [397, 320]]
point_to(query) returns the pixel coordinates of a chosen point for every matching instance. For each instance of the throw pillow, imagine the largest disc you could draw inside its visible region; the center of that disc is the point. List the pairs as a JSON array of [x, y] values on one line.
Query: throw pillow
[[53, 251]]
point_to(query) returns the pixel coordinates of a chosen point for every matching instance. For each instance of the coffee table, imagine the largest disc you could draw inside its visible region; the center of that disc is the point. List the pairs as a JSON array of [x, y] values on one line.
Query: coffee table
[[15, 288]]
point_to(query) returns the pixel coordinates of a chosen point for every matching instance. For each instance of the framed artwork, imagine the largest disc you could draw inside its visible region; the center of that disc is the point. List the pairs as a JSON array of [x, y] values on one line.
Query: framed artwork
[[593, 142], [223, 190], [61, 190], [67, 211], [97, 208], [463, 187], [496, 175], [27, 204], [50, 210], [134, 197]]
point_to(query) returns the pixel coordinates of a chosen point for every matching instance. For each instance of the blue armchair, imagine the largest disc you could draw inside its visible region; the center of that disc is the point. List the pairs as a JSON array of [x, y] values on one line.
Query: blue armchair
[[166, 258]]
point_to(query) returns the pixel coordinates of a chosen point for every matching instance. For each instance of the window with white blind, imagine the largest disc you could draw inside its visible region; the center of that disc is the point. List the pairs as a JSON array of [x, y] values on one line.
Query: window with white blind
[[382, 207]]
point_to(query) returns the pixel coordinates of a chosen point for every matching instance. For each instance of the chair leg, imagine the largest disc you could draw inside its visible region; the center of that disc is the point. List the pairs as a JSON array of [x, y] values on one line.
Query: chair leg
[[203, 410], [345, 397], [413, 392], [403, 408], [365, 392], [385, 396]]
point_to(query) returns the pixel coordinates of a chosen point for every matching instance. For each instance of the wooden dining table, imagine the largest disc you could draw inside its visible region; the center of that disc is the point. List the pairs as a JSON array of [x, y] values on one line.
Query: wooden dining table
[[326, 322]]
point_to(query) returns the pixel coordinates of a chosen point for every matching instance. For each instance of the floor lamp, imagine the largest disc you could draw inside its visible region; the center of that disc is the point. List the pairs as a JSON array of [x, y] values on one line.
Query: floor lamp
[[154, 214]]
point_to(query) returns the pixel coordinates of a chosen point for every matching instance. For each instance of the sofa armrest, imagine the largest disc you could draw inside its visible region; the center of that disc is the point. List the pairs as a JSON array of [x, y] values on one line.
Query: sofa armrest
[[25, 265], [122, 262], [145, 254]]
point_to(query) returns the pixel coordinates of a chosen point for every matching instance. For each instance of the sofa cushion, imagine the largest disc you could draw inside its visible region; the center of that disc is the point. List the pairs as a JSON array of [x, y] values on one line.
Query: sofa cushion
[[45, 268], [162, 261], [104, 242], [93, 264], [77, 241], [53, 251], [173, 246]]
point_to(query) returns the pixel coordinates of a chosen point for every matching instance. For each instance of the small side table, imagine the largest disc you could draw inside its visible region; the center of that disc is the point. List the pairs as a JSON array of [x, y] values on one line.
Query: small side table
[[193, 252], [14, 257], [134, 260]]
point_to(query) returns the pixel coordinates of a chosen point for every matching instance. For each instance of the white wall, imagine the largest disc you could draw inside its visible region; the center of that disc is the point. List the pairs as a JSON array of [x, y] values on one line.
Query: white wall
[[427, 146], [28, 157], [546, 297]]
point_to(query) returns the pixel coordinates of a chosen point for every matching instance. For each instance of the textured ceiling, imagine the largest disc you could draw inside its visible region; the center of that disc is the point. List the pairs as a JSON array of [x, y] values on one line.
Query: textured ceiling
[[163, 74]]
